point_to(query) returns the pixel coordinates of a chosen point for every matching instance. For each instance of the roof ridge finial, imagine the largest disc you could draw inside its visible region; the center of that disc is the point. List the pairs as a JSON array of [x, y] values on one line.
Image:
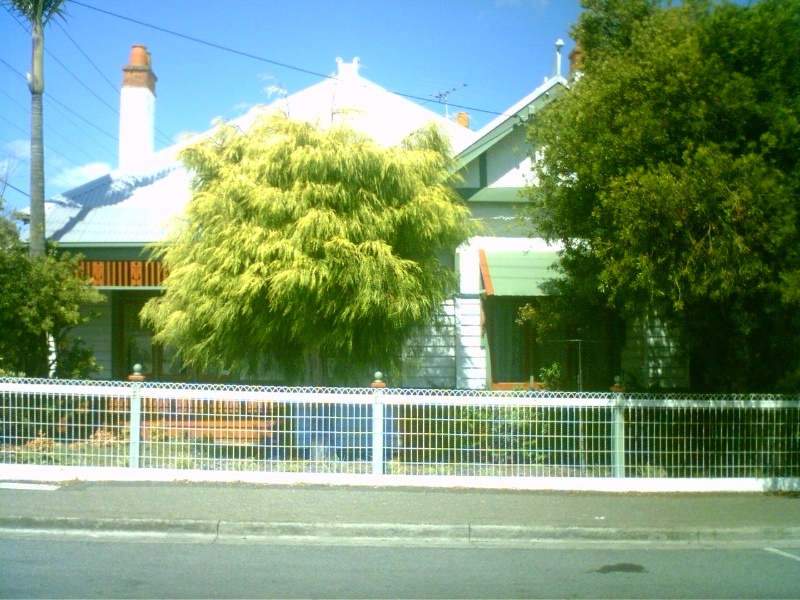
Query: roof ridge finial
[[347, 70]]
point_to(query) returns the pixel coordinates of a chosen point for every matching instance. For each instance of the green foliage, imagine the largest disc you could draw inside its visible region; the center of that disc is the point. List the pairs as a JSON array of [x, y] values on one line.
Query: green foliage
[[504, 434], [671, 172], [609, 25], [40, 301], [313, 250], [550, 377]]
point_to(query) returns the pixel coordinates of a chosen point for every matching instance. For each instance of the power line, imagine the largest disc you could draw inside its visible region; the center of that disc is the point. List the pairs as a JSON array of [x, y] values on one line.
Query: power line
[[14, 125], [48, 148], [78, 79], [51, 97], [16, 189], [59, 106], [63, 66], [261, 58], [96, 68], [17, 73], [14, 100], [164, 137], [65, 107]]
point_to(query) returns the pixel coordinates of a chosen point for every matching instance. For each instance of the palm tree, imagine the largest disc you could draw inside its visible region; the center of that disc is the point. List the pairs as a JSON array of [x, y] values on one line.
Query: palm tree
[[38, 13]]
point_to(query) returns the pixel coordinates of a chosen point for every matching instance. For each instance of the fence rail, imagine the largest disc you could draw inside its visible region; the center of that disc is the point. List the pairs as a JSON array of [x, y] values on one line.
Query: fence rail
[[378, 432]]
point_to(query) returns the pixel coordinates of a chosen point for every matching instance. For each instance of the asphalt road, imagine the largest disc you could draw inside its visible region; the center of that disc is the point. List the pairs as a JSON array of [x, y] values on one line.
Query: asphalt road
[[110, 567]]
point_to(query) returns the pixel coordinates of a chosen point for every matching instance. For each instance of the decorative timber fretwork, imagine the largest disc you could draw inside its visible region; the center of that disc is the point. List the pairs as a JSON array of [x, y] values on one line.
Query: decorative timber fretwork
[[123, 273]]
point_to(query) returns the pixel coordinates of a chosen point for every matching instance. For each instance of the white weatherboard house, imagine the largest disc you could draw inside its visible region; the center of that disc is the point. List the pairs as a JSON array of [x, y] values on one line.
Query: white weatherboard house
[[113, 219]]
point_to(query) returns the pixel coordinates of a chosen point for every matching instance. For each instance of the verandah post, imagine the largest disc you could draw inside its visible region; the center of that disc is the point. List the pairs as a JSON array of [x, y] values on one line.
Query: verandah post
[[377, 424], [136, 415]]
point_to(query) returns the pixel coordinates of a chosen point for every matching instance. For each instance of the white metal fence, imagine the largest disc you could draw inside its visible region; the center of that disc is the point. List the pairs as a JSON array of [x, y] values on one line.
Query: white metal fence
[[398, 432]]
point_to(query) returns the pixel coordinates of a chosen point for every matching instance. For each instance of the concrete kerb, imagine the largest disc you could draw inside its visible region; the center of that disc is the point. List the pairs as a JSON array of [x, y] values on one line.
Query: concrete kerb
[[57, 473], [212, 531], [99, 527]]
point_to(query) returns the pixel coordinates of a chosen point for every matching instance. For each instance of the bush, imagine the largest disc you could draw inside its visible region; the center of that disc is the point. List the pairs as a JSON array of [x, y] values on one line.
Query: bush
[[499, 434]]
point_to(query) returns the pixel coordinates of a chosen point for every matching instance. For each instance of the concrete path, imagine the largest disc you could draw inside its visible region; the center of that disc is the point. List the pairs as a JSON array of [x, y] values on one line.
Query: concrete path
[[247, 511]]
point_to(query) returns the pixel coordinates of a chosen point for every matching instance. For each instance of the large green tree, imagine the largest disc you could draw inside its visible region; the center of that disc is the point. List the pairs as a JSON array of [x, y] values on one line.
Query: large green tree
[[314, 250], [41, 302], [671, 172], [38, 13]]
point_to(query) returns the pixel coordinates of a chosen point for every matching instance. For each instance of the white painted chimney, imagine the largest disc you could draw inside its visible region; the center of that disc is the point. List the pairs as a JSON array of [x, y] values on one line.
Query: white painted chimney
[[137, 108]]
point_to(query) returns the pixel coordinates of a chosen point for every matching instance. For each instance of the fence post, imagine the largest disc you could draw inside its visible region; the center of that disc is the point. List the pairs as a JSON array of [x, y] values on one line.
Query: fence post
[[618, 437], [377, 424], [136, 414]]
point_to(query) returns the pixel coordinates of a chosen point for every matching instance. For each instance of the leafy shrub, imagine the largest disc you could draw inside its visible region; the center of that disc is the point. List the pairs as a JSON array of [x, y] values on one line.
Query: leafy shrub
[[503, 434]]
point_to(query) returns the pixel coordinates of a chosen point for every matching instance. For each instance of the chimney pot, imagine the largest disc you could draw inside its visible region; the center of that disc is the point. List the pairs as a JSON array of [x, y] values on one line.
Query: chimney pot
[[137, 73], [140, 57], [462, 119]]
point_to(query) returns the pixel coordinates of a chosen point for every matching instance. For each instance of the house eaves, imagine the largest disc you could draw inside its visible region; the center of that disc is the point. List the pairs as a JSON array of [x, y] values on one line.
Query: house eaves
[[515, 116]]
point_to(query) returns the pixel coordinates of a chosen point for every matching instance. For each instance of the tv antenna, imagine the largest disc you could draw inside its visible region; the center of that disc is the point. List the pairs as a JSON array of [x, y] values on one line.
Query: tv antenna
[[441, 97]]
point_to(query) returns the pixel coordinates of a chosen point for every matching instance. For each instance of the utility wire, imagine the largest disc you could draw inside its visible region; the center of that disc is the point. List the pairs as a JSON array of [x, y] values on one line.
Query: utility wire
[[15, 101], [51, 97], [87, 121], [17, 73], [63, 106], [262, 59], [63, 66], [81, 129], [16, 189], [78, 79], [49, 149], [164, 137], [14, 125], [96, 68]]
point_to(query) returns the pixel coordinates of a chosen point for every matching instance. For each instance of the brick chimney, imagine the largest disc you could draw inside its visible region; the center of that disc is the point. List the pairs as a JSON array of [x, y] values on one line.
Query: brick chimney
[[137, 109], [575, 61]]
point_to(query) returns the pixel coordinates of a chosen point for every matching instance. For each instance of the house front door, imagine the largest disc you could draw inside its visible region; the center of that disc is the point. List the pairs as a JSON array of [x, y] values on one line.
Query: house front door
[[136, 346]]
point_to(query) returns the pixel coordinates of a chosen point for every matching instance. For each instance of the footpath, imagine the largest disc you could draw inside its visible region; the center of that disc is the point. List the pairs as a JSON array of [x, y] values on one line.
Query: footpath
[[235, 511]]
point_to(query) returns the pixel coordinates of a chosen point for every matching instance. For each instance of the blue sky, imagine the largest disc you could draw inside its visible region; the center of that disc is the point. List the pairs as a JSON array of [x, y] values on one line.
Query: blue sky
[[484, 55]]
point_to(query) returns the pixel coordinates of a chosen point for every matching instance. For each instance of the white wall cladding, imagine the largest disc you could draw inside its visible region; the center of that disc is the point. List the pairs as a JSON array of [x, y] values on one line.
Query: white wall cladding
[[96, 333], [507, 161], [471, 351], [430, 360], [652, 357], [449, 355]]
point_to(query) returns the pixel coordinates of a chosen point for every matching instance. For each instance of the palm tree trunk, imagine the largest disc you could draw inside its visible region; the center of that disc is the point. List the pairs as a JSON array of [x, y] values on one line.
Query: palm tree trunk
[[36, 86]]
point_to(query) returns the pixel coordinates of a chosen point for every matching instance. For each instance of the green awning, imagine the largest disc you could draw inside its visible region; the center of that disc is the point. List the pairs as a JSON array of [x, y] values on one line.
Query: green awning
[[516, 273]]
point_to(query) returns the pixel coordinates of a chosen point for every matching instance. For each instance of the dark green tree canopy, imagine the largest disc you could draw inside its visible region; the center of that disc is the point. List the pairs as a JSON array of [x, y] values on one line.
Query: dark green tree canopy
[[315, 250], [41, 301], [671, 173]]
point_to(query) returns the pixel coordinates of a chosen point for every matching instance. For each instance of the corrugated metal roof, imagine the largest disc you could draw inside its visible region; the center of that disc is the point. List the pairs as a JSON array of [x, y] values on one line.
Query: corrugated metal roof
[[516, 273], [119, 208], [138, 208]]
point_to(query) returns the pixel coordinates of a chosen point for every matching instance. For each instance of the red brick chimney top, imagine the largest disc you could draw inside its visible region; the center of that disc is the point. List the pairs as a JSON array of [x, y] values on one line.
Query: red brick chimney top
[[138, 72]]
